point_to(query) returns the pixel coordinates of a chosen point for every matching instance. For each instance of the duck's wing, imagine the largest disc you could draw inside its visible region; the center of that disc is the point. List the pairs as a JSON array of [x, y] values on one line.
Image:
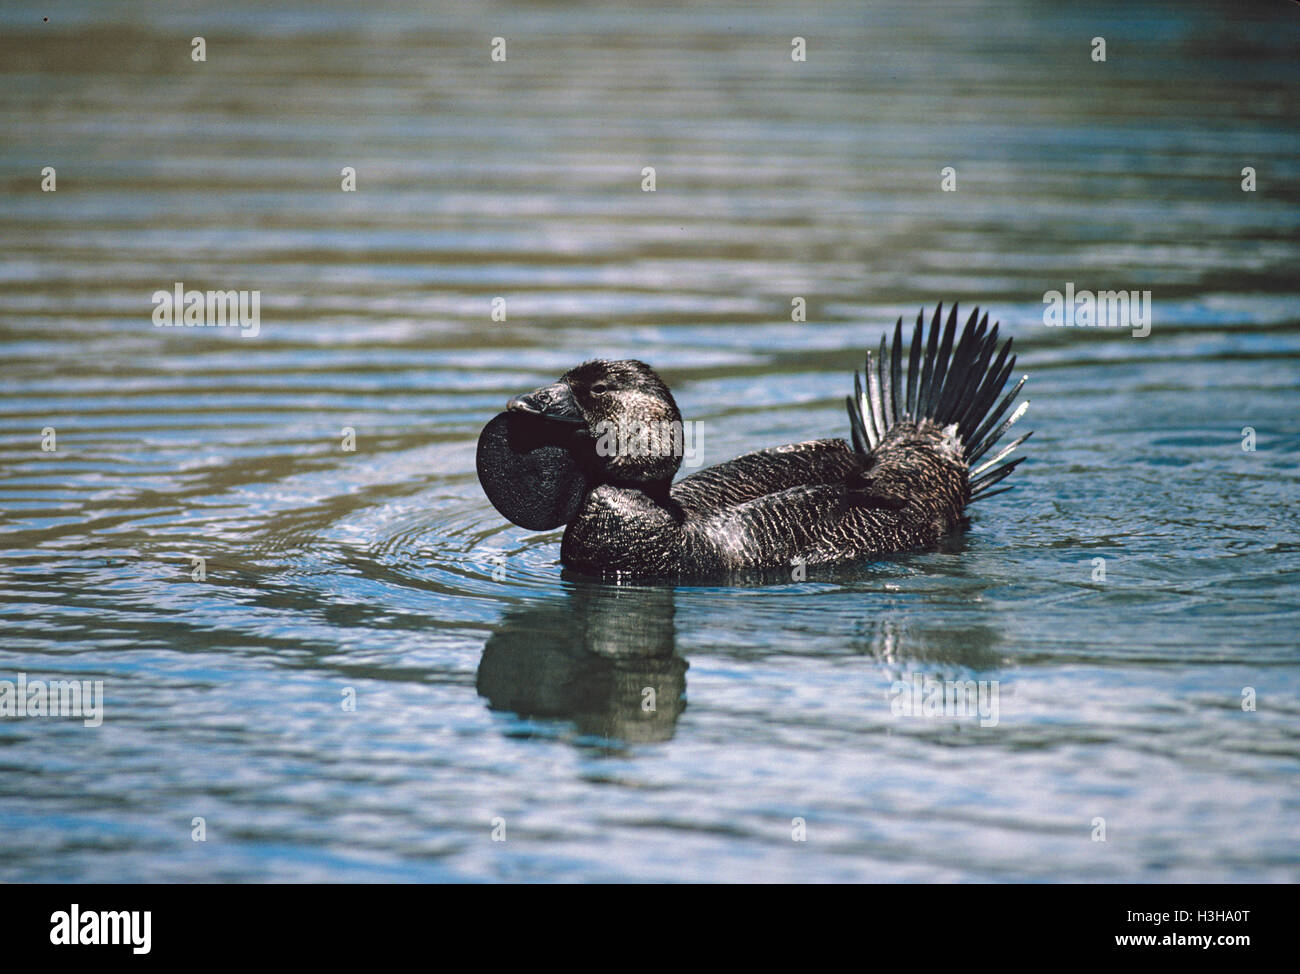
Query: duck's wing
[[811, 525], [764, 472]]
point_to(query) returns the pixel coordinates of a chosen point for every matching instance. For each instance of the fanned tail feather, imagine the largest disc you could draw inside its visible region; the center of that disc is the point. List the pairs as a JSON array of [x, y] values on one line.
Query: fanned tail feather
[[951, 379]]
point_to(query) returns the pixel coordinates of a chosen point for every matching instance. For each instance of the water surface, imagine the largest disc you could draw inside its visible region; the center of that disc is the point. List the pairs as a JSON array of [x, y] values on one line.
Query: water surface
[[488, 685]]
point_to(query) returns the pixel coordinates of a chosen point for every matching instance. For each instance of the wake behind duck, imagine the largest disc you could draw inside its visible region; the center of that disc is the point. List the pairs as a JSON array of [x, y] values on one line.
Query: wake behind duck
[[903, 481]]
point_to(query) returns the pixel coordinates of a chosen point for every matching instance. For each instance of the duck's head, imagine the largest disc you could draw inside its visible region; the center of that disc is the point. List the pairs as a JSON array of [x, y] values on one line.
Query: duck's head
[[602, 423]]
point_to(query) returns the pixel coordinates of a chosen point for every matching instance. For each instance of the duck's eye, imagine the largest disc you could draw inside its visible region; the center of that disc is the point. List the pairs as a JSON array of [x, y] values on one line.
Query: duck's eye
[[599, 388]]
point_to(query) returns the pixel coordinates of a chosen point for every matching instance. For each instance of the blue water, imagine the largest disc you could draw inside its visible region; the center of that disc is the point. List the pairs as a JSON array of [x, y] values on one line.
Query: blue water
[[496, 694]]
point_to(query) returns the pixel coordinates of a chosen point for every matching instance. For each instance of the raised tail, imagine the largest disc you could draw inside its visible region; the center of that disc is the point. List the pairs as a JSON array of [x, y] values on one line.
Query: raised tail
[[946, 385]]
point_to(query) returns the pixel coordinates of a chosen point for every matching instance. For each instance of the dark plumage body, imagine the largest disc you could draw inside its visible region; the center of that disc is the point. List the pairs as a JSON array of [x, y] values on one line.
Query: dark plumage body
[[902, 483]]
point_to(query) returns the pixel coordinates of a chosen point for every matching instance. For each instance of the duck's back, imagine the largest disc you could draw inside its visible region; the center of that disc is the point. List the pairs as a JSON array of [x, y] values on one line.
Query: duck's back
[[756, 475], [909, 493]]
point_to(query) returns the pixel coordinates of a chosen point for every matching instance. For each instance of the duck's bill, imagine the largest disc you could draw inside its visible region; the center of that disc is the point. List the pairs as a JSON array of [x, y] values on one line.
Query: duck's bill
[[528, 463], [554, 402]]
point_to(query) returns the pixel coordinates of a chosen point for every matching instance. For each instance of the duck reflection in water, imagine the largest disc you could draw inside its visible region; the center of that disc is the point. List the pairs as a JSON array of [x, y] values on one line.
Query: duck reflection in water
[[605, 658]]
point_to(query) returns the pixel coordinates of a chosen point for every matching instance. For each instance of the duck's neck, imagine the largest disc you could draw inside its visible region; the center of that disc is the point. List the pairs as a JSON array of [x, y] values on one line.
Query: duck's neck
[[659, 491]]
